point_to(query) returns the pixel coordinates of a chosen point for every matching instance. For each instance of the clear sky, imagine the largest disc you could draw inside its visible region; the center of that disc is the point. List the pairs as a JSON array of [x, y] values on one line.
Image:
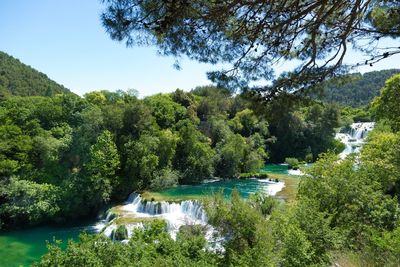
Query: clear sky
[[65, 40]]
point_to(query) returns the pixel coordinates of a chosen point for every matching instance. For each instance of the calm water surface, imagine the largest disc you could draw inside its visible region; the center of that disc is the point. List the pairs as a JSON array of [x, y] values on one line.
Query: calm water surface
[[23, 247]]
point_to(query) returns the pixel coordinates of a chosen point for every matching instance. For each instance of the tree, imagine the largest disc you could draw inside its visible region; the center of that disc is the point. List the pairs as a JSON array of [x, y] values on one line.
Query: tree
[[27, 202], [137, 119], [213, 101], [353, 199], [14, 149], [250, 241], [150, 246], [103, 165], [245, 122], [254, 36], [142, 161], [381, 156], [167, 148], [387, 104], [194, 156], [165, 111], [231, 156], [96, 98]]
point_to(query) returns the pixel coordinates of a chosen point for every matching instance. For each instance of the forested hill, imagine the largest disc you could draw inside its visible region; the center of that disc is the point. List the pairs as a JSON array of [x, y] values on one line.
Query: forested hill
[[358, 90], [19, 79]]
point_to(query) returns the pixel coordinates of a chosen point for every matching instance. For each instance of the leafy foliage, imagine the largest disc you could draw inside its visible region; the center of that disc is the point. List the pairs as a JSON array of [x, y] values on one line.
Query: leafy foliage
[[102, 147], [387, 104], [151, 246], [26, 201]]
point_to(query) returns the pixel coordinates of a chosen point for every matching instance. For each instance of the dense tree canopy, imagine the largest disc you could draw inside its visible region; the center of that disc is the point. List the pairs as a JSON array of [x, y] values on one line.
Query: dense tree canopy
[[255, 36]]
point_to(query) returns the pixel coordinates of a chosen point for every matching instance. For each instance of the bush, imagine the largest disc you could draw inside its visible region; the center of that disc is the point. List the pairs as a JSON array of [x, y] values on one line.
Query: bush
[[121, 233], [262, 175], [338, 146], [293, 163], [309, 158], [165, 178]]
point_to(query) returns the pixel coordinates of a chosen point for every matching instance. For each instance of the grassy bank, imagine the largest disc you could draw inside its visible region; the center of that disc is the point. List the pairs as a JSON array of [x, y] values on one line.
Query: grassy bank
[[289, 192]]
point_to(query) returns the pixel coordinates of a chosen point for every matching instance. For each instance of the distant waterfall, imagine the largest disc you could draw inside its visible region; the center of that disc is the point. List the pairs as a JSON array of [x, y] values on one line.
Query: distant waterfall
[[360, 130], [355, 137]]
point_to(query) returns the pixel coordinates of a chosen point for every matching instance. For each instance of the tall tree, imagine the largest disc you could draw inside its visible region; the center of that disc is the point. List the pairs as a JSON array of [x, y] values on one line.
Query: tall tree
[[102, 165], [387, 104]]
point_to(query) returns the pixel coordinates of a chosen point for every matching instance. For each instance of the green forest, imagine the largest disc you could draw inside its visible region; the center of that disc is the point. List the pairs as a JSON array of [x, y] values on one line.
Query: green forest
[[355, 89], [19, 79]]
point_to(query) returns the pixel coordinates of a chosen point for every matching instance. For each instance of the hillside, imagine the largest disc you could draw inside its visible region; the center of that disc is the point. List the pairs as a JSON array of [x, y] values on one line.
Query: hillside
[[358, 90], [19, 79]]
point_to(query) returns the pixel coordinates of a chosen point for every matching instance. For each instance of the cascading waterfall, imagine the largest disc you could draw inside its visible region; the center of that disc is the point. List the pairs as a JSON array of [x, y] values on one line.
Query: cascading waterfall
[[191, 209], [355, 137], [187, 212]]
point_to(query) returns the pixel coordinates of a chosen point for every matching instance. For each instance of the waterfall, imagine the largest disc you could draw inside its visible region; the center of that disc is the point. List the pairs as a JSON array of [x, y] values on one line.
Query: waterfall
[[188, 212], [191, 209], [355, 137]]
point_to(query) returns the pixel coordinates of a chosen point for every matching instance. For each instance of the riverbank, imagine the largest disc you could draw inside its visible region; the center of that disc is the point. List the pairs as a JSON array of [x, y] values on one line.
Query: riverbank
[[289, 191]]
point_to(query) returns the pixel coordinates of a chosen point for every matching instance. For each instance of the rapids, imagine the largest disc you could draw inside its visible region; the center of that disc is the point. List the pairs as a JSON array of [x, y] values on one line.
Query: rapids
[[354, 137]]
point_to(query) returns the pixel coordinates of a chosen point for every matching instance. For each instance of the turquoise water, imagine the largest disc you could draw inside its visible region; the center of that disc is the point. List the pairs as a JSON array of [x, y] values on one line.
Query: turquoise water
[[245, 188], [275, 168], [23, 247]]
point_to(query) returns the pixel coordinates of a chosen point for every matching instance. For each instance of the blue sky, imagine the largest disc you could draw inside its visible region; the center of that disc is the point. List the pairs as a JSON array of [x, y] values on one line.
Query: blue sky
[[65, 40]]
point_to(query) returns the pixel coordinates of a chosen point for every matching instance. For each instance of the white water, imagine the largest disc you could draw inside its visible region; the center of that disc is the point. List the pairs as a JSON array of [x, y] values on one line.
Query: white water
[[295, 172], [189, 212], [273, 187], [355, 137]]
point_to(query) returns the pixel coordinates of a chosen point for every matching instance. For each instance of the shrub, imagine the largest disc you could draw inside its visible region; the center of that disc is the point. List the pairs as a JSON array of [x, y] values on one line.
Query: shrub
[[309, 158], [293, 163], [121, 233]]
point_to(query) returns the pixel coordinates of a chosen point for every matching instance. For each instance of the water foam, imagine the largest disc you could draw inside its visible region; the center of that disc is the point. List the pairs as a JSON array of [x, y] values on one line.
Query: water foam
[[354, 138]]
